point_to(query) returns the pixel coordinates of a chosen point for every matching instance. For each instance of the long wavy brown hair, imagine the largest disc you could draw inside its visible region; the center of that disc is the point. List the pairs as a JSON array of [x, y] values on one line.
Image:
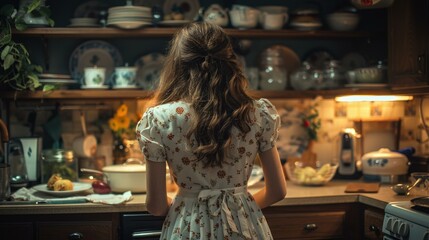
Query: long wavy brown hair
[[202, 69]]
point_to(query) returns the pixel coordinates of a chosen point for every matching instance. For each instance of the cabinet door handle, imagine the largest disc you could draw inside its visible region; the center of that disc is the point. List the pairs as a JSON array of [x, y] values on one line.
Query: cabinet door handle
[[421, 61], [76, 236], [310, 227], [373, 228], [146, 234]]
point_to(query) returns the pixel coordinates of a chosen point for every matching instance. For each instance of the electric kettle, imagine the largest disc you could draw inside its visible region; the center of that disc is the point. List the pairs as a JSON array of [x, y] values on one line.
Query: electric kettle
[[349, 154], [18, 168]]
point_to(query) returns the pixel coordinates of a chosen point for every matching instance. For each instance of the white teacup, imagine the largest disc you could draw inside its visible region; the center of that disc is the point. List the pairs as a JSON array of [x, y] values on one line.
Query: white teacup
[[124, 77], [273, 21], [94, 76]]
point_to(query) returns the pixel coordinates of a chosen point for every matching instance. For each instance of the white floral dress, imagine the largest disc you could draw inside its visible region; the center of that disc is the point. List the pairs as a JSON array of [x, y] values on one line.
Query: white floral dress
[[212, 203]]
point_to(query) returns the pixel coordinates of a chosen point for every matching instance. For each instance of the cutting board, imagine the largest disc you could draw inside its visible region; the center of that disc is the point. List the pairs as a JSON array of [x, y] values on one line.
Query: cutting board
[[362, 187]]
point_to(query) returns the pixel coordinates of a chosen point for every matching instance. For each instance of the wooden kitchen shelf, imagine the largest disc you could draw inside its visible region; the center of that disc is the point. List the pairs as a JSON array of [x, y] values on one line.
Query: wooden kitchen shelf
[[110, 32], [142, 94]]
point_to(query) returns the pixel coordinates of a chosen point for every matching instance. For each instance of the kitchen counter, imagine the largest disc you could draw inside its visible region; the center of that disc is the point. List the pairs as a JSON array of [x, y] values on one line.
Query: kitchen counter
[[331, 193]]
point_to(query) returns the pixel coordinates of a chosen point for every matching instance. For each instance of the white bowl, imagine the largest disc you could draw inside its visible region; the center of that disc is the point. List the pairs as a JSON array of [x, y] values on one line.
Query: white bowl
[[244, 19], [309, 176], [343, 21], [368, 75]]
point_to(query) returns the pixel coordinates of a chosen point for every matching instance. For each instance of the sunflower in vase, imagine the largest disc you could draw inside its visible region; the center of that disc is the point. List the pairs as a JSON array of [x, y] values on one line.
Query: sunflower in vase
[[123, 123]]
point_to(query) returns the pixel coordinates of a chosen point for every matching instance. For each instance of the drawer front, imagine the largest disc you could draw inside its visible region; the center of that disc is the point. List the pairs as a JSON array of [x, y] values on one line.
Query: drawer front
[[316, 225], [74, 230], [373, 225], [16, 231]]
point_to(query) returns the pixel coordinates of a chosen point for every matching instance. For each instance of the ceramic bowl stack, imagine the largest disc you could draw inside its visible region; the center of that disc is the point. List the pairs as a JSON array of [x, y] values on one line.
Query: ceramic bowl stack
[[84, 22], [129, 17]]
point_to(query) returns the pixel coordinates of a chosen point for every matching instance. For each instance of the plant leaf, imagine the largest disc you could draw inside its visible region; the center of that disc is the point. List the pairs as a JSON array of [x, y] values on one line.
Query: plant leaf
[[5, 34], [5, 52], [48, 87], [21, 26], [8, 61], [33, 5]]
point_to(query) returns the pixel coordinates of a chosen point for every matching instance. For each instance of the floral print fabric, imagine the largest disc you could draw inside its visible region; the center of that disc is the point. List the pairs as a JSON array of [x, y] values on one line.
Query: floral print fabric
[[212, 203]]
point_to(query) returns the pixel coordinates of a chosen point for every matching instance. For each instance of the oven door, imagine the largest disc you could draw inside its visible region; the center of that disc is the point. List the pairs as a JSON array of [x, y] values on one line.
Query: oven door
[[140, 226]]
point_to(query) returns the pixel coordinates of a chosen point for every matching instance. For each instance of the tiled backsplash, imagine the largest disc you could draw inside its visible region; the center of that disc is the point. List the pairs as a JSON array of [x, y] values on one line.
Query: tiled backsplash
[[334, 117]]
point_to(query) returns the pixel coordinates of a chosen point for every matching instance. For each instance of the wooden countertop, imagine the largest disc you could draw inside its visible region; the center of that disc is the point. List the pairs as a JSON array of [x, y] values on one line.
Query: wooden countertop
[[331, 193]]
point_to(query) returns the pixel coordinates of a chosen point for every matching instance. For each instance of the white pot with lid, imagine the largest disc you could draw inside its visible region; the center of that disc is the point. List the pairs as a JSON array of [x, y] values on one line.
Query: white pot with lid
[[385, 164], [130, 176]]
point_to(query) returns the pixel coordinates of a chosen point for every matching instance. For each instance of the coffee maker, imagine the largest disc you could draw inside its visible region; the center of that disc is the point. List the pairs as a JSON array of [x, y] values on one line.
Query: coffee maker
[[349, 154]]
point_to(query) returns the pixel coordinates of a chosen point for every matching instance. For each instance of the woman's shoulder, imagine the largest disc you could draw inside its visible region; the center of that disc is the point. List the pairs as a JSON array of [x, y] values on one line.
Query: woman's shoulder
[[168, 108], [266, 108]]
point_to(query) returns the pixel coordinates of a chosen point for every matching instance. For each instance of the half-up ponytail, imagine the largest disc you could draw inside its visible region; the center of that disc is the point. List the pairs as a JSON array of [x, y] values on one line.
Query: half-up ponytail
[[202, 69]]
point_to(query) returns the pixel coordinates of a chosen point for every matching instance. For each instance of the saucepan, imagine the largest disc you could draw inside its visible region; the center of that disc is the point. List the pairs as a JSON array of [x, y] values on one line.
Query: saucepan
[[130, 176]]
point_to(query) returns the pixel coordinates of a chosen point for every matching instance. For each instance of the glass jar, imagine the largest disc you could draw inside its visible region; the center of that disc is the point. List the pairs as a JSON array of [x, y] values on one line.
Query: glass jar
[[59, 161], [272, 72], [302, 79], [333, 76]]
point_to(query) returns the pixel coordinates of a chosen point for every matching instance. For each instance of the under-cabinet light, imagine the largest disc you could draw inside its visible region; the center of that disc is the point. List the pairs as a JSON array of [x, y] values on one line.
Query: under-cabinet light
[[373, 98]]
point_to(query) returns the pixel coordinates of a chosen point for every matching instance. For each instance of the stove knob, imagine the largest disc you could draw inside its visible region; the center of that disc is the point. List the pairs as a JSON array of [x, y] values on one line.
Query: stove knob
[[389, 224], [395, 226], [404, 229]]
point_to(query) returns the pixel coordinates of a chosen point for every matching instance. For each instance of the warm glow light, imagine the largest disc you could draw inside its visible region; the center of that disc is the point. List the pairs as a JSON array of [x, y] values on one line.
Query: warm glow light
[[373, 98]]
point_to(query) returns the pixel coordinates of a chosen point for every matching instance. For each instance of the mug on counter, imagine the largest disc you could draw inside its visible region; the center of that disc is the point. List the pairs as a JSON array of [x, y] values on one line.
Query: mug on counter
[[124, 77], [94, 76]]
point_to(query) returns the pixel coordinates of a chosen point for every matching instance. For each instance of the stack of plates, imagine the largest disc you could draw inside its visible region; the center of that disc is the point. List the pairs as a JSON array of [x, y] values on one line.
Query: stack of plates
[[84, 22], [129, 17], [60, 81]]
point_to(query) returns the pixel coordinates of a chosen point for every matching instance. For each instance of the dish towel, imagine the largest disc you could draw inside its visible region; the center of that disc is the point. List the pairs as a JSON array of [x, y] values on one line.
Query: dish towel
[[27, 195]]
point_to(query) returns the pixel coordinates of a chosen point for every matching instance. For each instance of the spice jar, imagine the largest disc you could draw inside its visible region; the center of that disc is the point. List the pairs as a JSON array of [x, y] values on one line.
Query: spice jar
[[59, 161]]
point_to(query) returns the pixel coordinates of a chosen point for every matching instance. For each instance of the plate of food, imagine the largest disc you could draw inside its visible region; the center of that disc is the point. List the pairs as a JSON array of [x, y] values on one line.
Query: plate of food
[[149, 70], [94, 53], [58, 186], [77, 188]]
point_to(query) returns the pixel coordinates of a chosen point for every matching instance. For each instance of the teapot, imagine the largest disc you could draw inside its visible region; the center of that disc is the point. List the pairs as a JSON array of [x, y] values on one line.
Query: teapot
[[217, 15]]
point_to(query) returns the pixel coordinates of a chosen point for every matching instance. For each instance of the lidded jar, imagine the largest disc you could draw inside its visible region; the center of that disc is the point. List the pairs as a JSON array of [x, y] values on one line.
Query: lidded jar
[[272, 71], [302, 79], [59, 161], [333, 75]]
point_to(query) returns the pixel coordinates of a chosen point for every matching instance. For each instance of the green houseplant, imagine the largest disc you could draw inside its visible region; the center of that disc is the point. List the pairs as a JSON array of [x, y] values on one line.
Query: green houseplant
[[16, 69]]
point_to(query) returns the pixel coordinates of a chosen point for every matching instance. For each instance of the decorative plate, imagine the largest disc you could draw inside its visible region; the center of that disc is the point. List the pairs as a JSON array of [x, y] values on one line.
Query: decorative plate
[[77, 188], [128, 24], [189, 8], [149, 70], [173, 23], [94, 53]]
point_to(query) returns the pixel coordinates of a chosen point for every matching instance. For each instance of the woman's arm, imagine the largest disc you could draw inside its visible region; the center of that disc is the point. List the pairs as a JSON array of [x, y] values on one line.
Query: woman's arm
[[275, 181], [157, 201]]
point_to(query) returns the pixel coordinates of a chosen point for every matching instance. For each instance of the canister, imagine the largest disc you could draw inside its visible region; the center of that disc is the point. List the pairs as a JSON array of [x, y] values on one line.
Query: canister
[[59, 161]]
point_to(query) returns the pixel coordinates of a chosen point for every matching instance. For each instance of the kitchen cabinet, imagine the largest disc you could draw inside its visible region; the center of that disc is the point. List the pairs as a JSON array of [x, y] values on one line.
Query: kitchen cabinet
[[373, 223], [330, 221], [62, 226], [408, 40]]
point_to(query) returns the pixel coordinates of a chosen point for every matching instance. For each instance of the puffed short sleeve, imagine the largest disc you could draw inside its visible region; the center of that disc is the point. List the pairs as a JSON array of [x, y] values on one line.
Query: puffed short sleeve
[[270, 124], [149, 135]]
